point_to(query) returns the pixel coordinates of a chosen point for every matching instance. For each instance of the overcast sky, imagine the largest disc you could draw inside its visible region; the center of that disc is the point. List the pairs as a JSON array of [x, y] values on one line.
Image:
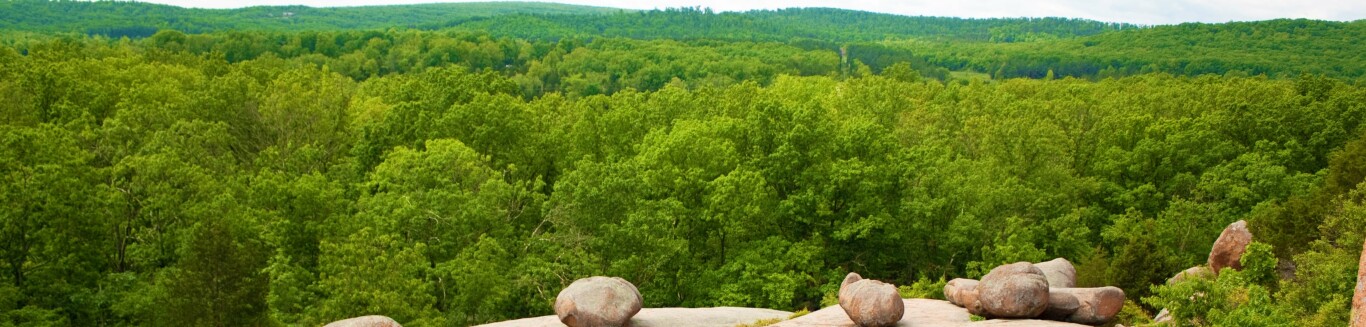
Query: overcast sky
[[1129, 11]]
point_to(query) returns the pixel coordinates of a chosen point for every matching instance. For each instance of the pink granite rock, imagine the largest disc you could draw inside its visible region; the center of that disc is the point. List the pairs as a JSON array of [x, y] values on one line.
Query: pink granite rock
[[1191, 273], [365, 321], [870, 303], [1359, 298], [1017, 290], [919, 312], [1060, 272], [1228, 249], [1091, 306], [598, 302], [963, 292]]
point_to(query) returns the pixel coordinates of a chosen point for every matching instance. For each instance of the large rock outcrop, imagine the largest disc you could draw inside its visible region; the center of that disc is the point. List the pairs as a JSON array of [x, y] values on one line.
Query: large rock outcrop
[[1227, 252], [670, 317], [870, 303], [1013, 291], [1228, 249], [365, 321], [919, 312], [598, 302], [1359, 298], [1091, 306], [1060, 273], [1017, 290]]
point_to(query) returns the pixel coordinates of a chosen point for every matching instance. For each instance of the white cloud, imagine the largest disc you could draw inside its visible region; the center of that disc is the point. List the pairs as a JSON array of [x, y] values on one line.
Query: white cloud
[[1130, 11]]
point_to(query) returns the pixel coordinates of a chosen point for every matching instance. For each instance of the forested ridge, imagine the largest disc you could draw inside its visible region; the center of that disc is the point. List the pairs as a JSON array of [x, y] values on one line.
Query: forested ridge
[[457, 174], [139, 19], [999, 47]]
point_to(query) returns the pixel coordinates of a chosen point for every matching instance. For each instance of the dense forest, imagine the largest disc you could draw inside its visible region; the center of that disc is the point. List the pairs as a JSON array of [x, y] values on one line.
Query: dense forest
[[449, 171]]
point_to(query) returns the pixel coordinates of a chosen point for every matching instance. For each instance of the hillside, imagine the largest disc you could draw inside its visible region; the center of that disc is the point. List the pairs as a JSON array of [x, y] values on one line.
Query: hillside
[[1002, 48], [815, 24], [529, 20], [1277, 47], [138, 19]]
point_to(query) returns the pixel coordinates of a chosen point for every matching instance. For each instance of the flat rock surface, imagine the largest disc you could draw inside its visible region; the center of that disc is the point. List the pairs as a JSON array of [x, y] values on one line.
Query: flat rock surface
[[919, 312], [366, 321], [665, 317]]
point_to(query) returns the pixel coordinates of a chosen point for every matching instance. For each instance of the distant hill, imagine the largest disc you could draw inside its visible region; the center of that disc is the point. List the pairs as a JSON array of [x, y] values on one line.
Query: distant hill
[[138, 19], [824, 24], [534, 20], [1282, 47], [1000, 47]]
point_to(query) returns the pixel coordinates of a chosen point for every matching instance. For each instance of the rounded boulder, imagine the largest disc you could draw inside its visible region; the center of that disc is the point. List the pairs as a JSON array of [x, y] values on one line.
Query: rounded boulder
[[1192, 273], [1017, 290], [1091, 306], [598, 302], [1059, 272], [870, 303], [1228, 249], [963, 292]]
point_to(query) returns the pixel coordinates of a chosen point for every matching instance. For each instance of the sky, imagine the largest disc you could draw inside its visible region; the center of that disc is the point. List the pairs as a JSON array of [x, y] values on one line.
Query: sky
[[1127, 11]]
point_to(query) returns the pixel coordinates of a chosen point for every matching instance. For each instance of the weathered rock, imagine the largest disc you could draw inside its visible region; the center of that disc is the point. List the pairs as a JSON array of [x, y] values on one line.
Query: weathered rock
[[1092, 306], [1162, 316], [1197, 272], [1060, 272], [1228, 249], [954, 289], [963, 292], [1061, 304], [1017, 290], [919, 312], [670, 317], [870, 303], [365, 321], [1285, 269], [850, 279], [1099, 305], [927, 312], [1189, 273], [1359, 298], [598, 302]]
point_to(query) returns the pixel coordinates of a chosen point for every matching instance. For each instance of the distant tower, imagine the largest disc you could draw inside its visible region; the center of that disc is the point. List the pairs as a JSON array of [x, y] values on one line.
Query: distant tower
[[844, 60]]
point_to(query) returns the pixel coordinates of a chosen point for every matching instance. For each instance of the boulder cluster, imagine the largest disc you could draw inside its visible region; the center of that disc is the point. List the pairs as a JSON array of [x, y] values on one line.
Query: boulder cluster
[[612, 302], [1021, 290], [1227, 252], [1043, 290]]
